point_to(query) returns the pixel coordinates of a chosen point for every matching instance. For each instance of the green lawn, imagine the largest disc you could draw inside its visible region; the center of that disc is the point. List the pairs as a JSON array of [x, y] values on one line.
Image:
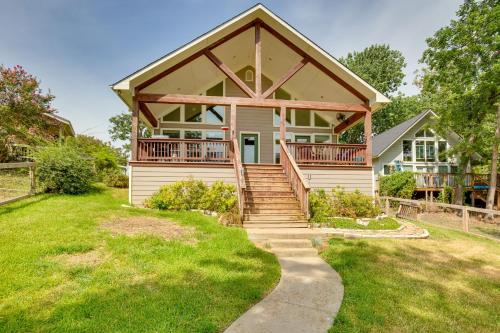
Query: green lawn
[[386, 223], [140, 283], [447, 283], [13, 183]]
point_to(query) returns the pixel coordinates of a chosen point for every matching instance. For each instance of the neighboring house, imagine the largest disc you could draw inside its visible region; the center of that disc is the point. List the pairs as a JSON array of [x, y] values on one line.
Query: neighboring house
[[253, 97], [59, 128]]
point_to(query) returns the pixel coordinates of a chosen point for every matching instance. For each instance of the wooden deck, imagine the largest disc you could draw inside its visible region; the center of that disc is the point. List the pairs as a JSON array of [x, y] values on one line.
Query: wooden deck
[[438, 181]]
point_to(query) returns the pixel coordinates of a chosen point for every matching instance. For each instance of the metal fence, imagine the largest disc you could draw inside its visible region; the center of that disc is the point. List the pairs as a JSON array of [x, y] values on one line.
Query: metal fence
[[17, 181]]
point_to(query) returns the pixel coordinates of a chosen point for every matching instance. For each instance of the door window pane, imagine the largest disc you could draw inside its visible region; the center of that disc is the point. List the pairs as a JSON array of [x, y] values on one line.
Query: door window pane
[[420, 151], [174, 115], [192, 135], [193, 113], [320, 121], [442, 151], [215, 114], [171, 134], [430, 151], [407, 151], [302, 118]]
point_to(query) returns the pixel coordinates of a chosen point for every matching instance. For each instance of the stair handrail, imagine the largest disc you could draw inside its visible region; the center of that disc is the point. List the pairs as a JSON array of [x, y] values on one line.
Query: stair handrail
[[240, 177], [299, 185]]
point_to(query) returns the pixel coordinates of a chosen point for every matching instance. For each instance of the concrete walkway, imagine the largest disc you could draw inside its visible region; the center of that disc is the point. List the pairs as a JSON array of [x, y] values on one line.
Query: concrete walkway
[[307, 297]]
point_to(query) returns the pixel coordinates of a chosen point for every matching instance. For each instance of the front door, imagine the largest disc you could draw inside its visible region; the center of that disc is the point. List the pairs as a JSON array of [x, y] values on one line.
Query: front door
[[249, 147]]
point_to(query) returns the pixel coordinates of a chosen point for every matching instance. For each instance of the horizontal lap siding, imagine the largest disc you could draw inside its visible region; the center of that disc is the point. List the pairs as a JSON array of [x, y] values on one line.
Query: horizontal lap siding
[[349, 179], [147, 180]]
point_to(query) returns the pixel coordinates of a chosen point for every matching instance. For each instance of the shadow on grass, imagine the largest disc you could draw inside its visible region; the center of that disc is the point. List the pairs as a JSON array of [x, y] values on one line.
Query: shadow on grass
[[407, 288], [23, 203]]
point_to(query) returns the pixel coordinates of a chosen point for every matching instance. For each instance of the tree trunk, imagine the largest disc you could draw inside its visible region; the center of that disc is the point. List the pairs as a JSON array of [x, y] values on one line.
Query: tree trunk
[[494, 165]]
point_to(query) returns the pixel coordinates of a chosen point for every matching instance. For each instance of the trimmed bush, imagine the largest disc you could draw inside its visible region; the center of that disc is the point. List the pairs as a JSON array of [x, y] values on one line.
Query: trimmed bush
[[115, 178], [63, 169], [181, 195], [399, 185], [219, 198], [324, 206]]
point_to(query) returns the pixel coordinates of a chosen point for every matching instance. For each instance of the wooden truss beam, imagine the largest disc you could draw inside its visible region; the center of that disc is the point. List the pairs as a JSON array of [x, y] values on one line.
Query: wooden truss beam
[[281, 81], [258, 61], [348, 122], [148, 114], [252, 102], [230, 74]]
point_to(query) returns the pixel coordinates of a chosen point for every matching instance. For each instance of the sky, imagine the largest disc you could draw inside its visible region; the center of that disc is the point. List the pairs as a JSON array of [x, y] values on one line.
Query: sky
[[77, 48]]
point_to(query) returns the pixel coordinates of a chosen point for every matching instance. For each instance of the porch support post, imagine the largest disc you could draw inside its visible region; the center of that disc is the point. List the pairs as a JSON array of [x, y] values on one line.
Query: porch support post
[[368, 137], [135, 129], [233, 122], [283, 123], [258, 61]]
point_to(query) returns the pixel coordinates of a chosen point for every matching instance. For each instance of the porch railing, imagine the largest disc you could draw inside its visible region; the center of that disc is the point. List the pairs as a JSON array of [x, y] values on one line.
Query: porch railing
[[240, 178], [295, 178], [328, 153], [184, 151], [440, 180]]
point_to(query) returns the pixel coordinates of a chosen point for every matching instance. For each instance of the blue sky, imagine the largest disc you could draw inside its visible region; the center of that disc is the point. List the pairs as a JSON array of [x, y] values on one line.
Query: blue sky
[[77, 48]]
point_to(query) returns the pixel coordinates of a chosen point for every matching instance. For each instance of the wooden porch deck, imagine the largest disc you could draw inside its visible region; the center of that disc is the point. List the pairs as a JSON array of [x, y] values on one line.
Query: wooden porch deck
[[438, 181]]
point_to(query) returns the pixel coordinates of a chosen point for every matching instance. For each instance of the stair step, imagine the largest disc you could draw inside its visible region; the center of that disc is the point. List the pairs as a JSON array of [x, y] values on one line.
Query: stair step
[[265, 181], [274, 217], [262, 165], [288, 252], [273, 225], [269, 194], [294, 210], [264, 172], [270, 188], [290, 243], [270, 200]]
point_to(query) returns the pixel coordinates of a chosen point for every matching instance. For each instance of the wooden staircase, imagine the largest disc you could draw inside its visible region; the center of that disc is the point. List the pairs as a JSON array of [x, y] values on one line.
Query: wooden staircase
[[269, 199]]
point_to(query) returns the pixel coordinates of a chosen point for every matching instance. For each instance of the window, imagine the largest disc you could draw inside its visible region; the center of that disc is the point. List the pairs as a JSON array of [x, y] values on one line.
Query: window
[[424, 133], [443, 169], [303, 138], [192, 135], [288, 118], [215, 114], [454, 169], [322, 138], [171, 134], [282, 94], [407, 150], [420, 151], [172, 116], [425, 169], [407, 167], [276, 148], [388, 169], [442, 151], [319, 121], [215, 135], [192, 113], [430, 151], [249, 75], [302, 118]]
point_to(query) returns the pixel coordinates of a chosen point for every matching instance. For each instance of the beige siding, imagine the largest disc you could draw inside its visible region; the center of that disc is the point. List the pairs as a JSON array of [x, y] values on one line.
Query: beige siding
[[145, 180], [349, 179]]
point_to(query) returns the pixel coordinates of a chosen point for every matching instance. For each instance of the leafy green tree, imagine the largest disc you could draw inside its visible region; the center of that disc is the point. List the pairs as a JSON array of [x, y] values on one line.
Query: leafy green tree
[[121, 129], [381, 67], [22, 109], [462, 76]]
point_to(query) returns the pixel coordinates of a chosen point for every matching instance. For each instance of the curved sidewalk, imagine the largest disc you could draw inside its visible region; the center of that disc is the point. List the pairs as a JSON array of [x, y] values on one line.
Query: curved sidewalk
[[306, 299]]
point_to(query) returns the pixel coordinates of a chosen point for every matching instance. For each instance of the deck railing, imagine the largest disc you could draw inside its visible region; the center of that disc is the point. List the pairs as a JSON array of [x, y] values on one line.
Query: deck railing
[[328, 153], [440, 180], [184, 151], [295, 178], [240, 177]]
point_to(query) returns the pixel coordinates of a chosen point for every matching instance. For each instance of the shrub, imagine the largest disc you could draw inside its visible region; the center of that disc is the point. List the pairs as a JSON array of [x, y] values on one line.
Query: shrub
[[323, 206], [447, 195], [63, 169], [115, 178], [353, 204], [219, 197], [181, 195], [399, 185]]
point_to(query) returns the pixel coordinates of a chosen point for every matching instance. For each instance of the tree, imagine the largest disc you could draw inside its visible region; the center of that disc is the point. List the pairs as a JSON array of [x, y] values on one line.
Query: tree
[[121, 129], [22, 109], [381, 67], [462, 76]]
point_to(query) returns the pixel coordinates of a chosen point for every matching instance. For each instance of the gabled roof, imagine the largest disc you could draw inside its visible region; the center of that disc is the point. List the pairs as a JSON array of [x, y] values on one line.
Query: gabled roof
[[64, 123], [125, 87], [385, 140]]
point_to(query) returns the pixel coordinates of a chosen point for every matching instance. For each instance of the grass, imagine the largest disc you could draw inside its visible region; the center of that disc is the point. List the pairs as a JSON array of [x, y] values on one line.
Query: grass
[[13, 183], [448, 283], [142, 284], [386, 223]]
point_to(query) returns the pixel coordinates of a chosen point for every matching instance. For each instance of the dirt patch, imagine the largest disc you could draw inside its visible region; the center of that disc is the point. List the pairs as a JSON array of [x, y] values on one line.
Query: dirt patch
[[90, 258], [132, 226]]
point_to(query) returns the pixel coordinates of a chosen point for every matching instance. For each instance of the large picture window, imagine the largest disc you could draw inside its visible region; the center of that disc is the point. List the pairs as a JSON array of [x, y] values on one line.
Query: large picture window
[[407, 150], [303, 118], [192, 113], [172, 116], [215, 114], [442, 147]]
